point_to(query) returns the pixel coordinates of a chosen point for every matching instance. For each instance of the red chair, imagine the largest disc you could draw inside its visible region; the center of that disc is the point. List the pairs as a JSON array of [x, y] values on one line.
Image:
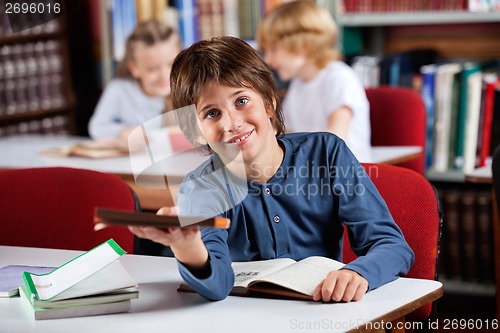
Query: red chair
[[415, 207], [54, 208], [398, 117]]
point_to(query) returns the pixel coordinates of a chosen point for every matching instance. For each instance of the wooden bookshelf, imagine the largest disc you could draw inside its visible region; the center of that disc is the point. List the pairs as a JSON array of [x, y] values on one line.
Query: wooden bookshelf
[[36, 94], [382, 30], [415, 18]]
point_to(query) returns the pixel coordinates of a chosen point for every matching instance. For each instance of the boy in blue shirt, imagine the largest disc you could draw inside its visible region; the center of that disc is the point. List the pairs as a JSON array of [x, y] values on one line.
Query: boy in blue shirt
[[303, 188]]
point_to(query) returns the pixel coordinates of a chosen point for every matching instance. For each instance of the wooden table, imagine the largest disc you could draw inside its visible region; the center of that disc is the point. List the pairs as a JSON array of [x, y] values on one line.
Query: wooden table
[[160, 308]]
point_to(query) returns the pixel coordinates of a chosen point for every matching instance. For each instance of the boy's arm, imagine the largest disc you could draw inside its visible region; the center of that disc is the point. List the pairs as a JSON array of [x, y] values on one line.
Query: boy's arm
[[217, 280], [204, 261], [383, 253]]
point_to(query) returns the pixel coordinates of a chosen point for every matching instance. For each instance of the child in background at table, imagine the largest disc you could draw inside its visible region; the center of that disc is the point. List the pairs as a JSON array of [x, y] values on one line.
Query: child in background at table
[[142, 87], [282, 215], [298, 40]]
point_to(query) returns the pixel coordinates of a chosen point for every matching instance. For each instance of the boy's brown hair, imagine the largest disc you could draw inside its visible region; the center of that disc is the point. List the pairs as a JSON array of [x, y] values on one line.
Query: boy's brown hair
[[225, 61], [301, 25]]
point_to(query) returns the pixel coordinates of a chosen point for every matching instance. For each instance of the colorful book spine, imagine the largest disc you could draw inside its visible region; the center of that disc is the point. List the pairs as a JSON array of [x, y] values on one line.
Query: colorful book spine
[[495, 127], [487, 120], [453, 138], [427, 92], [188, 21], [474, 83], [468, 69], [231, 18], [443, 109], [118, 34]]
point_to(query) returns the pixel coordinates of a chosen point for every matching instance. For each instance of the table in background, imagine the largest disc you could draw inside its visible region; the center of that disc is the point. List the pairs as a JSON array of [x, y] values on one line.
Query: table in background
[[160, 308], [24, 152]]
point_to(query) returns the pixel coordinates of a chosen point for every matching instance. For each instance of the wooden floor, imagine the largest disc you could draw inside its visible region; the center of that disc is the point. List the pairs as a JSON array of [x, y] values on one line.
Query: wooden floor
[[468, 310]]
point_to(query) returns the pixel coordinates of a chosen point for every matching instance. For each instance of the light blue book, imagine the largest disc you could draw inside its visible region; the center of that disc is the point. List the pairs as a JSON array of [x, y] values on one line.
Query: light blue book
[[427, 93]]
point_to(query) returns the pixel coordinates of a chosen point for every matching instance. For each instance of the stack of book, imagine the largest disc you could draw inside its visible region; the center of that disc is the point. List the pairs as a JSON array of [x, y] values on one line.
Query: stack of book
[[93, 283]]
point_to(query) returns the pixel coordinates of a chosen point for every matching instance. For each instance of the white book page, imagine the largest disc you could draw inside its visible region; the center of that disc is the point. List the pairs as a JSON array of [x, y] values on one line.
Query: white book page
[[76, 270], [112, 277], [246, 272], [305, 275]]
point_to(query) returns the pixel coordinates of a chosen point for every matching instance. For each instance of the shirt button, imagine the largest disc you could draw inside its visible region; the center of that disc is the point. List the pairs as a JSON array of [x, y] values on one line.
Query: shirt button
[[267, 191], [276, 218]]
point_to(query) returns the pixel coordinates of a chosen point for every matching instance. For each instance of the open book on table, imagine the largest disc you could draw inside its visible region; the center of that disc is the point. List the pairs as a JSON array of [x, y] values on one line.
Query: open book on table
[[89, 149], [281, 277], [90, 284]]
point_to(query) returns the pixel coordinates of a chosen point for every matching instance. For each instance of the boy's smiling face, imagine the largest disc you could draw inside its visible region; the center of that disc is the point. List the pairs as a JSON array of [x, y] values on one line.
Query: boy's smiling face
[[237, 118]]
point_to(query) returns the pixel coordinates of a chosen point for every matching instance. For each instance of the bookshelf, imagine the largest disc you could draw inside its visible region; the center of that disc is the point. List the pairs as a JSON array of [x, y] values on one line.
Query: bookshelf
[[415, 18], [35, 86], [376, 22]]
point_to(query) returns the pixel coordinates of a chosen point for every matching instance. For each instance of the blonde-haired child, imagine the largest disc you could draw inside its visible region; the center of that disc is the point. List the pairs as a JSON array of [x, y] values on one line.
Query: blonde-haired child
[[298, 39], [142, 86]]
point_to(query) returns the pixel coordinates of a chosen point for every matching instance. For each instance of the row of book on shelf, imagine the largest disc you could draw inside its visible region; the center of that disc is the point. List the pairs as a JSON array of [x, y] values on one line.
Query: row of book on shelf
[[370, 6], [194, 19], [32, 77], [462, 101], [57, 124], [467, 249]]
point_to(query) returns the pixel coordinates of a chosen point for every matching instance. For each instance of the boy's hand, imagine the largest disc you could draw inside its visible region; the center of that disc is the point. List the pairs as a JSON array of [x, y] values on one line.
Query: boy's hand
[[186, 243], [341, 285], [173, 237]]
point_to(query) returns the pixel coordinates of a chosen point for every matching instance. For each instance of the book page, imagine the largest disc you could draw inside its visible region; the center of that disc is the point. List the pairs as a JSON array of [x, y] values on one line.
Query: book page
[[112, 277], [246, 272], [49, 285], [305, 275]]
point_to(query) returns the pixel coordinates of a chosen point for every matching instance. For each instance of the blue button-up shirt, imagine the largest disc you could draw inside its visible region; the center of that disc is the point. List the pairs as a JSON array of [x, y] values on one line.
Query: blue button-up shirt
[[319, 188]]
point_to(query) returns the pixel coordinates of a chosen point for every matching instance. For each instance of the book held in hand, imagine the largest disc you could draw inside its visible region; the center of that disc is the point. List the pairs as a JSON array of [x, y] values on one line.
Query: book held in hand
[[93, 283], [282, 277], [125, 218]]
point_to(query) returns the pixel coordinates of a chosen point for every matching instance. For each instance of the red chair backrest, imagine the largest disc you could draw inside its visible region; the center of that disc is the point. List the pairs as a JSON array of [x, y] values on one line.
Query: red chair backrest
[[398, 117], [54, 208], [414, 205]]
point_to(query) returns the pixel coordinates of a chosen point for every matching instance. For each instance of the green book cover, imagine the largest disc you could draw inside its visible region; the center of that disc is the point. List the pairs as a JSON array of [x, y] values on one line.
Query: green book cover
[[73, 274], [453, 139], [469, 68]]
